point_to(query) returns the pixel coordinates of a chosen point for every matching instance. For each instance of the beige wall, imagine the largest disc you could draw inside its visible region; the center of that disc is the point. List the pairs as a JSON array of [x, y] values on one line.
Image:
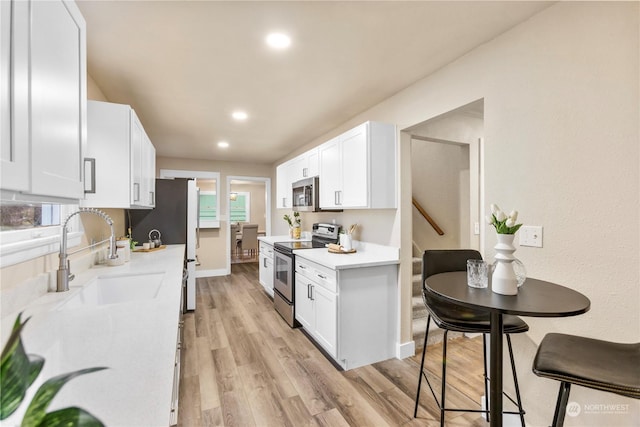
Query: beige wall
[[561, 130], [212, 253]]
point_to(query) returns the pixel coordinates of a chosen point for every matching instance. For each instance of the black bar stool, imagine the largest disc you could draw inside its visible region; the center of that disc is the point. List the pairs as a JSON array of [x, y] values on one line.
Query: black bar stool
[[591, 363], [451, 317]]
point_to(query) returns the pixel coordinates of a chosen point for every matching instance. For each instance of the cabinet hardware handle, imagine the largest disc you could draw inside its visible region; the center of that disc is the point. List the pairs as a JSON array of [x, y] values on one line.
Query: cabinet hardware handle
[[136, 192], [152, 200], [90, 163], [264, 262], [308, 290], [304, 172], [284, 202], [322, 277], [312, 298], [302, 267], [335, 198]]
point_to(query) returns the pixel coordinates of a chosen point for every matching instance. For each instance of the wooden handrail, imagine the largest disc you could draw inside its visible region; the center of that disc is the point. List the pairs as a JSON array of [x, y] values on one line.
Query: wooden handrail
[[427, 217]]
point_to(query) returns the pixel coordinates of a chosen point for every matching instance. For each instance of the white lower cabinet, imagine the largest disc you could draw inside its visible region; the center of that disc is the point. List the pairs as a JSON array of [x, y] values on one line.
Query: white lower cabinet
[[266, 267], [351, 313], [316, 309]]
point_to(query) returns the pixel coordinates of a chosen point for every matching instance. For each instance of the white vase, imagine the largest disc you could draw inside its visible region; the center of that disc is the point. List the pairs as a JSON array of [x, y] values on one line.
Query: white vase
[[504, 280]]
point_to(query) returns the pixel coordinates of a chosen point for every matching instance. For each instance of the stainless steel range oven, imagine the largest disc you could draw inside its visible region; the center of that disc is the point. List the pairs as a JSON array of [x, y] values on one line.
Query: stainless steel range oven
[[284, 266]]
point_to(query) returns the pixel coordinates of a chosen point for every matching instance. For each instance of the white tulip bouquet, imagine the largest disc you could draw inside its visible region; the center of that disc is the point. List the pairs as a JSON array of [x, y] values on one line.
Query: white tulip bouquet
[[503, 223]]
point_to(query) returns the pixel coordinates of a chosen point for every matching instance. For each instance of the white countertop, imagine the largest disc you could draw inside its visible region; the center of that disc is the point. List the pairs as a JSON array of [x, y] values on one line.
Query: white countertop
[[271, 240], [366, 255], [136, 340]]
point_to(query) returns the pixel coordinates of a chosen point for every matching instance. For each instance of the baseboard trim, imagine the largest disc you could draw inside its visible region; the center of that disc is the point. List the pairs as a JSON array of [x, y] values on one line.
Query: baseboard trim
[[211, 273], [404, 350]]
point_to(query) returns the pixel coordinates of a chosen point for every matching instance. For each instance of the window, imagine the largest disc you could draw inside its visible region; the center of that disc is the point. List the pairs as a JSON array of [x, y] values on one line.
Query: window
[[208, 209], [17, 217], [240, 208], [30, 231]]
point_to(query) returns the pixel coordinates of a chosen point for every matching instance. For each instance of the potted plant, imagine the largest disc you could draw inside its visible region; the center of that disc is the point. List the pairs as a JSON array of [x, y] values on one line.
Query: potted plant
[[19, 371], [294, 224], [504, 278]]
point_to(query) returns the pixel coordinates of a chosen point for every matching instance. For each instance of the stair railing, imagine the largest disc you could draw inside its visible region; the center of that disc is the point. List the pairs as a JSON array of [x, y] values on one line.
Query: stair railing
[[427, 217]]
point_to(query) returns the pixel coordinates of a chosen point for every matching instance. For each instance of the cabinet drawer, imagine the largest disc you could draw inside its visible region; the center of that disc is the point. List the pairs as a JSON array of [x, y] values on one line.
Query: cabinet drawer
[[321, 275], [266, 250]]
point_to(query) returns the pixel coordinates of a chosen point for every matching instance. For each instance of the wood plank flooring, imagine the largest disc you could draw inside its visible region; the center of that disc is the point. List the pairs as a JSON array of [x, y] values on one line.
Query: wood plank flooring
[[243, 366]]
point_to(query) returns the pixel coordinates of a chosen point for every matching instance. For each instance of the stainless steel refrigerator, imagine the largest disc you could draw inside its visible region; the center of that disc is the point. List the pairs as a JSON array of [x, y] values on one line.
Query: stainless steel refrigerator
[[175, 216]]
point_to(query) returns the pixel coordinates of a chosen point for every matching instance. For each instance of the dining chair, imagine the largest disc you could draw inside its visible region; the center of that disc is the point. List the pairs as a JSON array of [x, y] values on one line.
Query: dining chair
[[233, 238], [249, 241], [456, 318], [600, 365]]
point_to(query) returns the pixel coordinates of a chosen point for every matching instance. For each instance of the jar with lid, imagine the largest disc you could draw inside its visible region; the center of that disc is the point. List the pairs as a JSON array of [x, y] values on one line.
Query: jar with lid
[[123, 249]]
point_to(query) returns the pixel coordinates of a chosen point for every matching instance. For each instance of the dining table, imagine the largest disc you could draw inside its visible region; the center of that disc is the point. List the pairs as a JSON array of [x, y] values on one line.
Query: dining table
[[535, 298]]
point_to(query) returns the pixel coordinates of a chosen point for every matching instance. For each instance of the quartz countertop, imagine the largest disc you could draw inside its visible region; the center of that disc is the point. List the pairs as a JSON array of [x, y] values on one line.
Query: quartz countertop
[[271, 240], [136, 340], [366, 255]]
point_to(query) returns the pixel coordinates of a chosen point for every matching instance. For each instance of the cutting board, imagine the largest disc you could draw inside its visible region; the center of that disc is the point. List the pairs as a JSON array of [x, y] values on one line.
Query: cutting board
[[150, 250]]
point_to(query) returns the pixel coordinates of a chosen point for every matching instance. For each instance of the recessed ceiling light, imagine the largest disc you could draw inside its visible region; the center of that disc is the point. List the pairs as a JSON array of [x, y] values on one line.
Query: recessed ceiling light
[[223, 144], [278, 40], [239, 115]]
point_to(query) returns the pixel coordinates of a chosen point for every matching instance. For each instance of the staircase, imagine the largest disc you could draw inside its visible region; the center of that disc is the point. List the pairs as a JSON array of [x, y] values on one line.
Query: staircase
[[418, 308], [420, 312]]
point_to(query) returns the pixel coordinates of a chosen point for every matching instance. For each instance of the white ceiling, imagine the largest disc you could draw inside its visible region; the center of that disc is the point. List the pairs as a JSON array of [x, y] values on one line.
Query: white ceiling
[[184, 66]]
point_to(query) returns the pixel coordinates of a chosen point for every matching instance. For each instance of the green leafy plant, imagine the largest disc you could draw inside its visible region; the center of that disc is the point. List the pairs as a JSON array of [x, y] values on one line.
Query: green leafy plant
[[296, 219], [19, 371], [503, 223]]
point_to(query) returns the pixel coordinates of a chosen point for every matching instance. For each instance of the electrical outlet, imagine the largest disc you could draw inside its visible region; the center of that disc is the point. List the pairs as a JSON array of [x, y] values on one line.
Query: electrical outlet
[[476, 228], [531, 235]]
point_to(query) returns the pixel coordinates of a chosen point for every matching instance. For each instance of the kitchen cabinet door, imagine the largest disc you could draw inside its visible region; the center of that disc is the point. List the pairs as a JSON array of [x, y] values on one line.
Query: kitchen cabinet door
[[266, 267], [14, 122], [283, 186], [304, 166], [326, 318], [148, 179], [355, 168], [108, 144], [58, 98], [136, 165], [330, 156], [305, 311], [43, 99]]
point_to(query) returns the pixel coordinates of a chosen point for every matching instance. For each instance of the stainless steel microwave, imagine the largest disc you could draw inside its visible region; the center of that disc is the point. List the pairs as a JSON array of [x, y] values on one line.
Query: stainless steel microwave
[[305, 195]]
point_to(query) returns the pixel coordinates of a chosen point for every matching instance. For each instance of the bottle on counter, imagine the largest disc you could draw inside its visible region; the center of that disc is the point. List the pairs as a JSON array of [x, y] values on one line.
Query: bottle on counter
[[123, 248]]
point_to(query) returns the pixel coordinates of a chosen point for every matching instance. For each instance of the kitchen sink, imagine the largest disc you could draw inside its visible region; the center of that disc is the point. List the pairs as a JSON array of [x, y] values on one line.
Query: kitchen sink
[[116, 289]]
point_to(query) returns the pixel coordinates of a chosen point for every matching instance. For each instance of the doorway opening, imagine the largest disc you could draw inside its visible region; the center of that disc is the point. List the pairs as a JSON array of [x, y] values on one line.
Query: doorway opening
[[249, 217], [446, 182]]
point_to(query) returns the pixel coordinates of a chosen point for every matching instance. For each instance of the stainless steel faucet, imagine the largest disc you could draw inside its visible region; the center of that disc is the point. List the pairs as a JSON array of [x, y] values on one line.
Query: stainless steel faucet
[[64, 268]]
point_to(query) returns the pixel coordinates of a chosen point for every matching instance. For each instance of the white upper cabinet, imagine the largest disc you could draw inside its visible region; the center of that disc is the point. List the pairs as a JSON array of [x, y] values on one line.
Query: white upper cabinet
[[124, 158], [304, 166], [43, 101], [283, 185], [358, 168]]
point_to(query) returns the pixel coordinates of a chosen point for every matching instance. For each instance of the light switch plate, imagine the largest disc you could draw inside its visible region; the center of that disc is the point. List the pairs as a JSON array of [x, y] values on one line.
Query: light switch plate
[[531, 235]]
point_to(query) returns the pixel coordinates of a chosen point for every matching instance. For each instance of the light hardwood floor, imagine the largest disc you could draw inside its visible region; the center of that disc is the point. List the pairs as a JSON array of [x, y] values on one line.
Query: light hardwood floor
[[243, 366]]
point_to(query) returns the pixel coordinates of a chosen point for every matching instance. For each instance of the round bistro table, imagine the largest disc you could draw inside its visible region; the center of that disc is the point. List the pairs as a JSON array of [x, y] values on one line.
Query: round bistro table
[[536, 298]]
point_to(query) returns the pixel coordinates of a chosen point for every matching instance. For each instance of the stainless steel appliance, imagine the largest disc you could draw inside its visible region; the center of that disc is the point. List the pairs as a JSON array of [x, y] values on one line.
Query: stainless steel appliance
[[305, 197], [175, 217], [284, 266]]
